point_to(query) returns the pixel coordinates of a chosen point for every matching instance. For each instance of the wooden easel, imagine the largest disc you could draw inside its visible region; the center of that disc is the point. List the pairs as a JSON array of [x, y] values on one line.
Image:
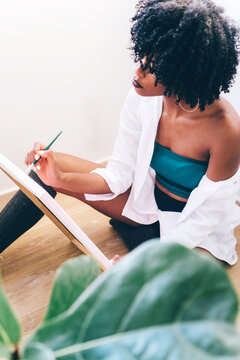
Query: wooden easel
[[49, 214]]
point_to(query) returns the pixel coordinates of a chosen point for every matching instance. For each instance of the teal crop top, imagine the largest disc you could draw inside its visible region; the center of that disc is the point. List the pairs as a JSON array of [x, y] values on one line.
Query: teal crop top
[[177, 173]]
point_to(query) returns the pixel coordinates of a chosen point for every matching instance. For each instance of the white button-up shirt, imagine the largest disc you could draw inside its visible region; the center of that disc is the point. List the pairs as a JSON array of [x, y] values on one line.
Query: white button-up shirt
[[211, 212]]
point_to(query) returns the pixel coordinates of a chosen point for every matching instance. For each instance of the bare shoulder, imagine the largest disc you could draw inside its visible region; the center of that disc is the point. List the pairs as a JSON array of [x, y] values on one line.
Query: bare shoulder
[[226, 121], [225, 141]]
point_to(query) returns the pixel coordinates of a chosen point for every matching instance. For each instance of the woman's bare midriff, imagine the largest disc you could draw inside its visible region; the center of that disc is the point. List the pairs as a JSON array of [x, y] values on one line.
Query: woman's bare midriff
[[169, 193]]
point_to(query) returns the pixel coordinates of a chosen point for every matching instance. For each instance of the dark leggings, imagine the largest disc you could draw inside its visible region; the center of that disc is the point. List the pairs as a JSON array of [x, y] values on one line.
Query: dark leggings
[[134, 236], [19, 215]]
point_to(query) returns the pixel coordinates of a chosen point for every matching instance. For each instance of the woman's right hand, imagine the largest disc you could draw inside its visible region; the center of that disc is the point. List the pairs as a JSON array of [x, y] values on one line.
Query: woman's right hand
[[46, 168], [30, 157]]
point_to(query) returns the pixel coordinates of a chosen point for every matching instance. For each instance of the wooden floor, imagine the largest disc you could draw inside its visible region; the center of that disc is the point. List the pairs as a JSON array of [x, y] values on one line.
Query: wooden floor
[[29, 265]]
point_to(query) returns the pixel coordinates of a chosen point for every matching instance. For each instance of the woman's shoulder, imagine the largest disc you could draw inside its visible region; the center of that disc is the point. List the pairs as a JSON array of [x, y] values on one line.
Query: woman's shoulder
[[229, 121], [225, 141], [225, 120]]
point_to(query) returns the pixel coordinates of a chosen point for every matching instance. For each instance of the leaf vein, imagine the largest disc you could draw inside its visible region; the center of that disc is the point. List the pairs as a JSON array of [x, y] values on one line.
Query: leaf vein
[[139, 294]]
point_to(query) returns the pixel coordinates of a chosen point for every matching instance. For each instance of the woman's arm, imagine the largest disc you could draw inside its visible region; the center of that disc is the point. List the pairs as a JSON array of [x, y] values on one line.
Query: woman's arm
[[225, 151], [62, 171], [83, 183]]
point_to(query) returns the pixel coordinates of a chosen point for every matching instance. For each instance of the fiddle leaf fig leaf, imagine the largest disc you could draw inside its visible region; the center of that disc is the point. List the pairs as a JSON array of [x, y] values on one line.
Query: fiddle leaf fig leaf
[[10, 331], [161, 301], [71, 279], [39, 351], [4, 352], [210, 341]]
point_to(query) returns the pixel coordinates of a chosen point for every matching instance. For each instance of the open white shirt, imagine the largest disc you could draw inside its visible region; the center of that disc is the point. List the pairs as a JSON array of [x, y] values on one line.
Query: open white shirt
[[211, 213]]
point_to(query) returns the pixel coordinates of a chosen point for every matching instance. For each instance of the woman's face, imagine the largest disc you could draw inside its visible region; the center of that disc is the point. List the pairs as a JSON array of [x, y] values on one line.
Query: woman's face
[[143, 83]]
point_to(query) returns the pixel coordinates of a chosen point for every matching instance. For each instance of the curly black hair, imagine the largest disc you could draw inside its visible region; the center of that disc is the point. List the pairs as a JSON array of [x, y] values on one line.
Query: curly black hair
[[189, 45]]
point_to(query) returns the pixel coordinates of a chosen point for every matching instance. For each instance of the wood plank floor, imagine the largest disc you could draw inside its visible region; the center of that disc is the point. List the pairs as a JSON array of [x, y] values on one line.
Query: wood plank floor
[[28, 266]]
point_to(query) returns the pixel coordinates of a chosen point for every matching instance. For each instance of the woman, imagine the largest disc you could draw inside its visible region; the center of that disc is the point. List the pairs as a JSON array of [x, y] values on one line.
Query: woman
[[177, 153]]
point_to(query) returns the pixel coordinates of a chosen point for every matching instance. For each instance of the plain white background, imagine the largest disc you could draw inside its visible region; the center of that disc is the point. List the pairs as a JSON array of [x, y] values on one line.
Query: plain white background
[[65, 65]]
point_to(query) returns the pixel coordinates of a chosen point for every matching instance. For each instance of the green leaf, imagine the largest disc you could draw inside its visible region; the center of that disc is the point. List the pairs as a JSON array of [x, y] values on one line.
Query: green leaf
[[4, 352], [38, 351], [188, 341], [159, 292], [10, 331], [71, 279]]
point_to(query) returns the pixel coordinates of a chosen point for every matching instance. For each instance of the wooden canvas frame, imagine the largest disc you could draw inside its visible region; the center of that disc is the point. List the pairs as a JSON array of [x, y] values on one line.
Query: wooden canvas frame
[[53, 218]]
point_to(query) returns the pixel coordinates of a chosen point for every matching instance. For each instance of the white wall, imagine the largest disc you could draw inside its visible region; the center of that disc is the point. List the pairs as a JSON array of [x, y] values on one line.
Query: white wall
[[64, 65]]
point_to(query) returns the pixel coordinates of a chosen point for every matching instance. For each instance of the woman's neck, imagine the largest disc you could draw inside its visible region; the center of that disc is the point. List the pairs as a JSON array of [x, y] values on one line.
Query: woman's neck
[[170, 108]]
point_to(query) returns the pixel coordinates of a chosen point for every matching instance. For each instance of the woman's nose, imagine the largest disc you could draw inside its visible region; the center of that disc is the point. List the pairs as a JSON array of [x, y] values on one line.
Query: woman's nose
[[140, 73]]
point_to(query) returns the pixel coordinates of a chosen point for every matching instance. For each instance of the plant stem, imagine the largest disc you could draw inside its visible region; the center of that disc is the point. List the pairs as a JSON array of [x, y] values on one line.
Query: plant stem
[[15, 354]]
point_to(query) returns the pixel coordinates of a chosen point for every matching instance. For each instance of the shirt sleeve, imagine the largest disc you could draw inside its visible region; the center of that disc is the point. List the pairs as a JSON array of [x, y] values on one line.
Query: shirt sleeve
[[119, 172], [218, 211]]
